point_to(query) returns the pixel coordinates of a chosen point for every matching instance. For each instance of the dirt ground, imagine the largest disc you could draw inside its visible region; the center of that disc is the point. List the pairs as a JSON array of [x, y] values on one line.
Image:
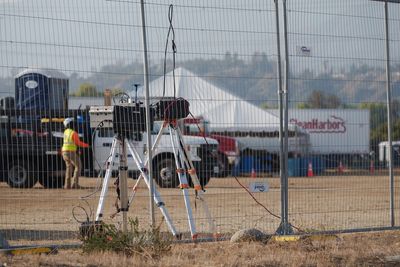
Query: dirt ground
[[362, 249], [315, 203]]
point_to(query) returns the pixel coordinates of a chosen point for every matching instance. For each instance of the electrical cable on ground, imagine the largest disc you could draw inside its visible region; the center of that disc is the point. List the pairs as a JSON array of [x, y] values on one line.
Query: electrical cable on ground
[[124, 98], [88, 215], [259, 203]]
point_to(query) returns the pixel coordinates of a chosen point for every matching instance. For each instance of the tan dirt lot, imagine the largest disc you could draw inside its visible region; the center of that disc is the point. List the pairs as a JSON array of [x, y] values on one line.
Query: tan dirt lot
[[316, 203]]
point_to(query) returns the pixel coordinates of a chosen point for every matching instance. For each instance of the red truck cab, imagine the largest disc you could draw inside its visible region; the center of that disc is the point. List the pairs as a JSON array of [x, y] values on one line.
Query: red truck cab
[[228, 148]]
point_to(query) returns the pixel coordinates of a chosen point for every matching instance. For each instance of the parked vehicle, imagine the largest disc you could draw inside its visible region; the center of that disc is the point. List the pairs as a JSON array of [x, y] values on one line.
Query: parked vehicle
[[384, 153], [203, 152], [228, 148], [259, 149], [31, 151], [29, 155]]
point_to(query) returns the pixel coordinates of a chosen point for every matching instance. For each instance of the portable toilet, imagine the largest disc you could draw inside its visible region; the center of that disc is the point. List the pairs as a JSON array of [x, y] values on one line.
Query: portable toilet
[[7, 103], [39, 89]]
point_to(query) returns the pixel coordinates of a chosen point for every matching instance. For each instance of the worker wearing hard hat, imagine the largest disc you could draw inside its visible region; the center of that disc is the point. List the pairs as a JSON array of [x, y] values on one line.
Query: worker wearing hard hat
[[70, 155]]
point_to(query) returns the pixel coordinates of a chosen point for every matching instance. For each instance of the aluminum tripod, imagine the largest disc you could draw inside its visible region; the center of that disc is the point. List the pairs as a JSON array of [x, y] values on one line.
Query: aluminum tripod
[[184, 165], [122, 170]]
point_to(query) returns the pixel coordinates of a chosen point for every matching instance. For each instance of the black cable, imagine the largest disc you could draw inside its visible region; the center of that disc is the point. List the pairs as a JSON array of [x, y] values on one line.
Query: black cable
[[98, 127], [88, 215], [98, 186], [123, 97], [259, 203], [170, 29]]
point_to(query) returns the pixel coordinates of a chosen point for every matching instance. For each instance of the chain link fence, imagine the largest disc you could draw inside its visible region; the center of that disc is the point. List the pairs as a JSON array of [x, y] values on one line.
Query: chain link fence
[[73, 59]]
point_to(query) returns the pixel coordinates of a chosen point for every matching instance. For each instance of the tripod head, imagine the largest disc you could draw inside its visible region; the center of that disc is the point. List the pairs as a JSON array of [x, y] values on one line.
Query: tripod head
[[171, 109], [128, 120]]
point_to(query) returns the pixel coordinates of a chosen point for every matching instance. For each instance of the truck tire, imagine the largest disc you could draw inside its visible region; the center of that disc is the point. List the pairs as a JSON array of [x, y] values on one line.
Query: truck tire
[[52, 182], [165, 173], [204, 177], [20, 176], [224, 167]]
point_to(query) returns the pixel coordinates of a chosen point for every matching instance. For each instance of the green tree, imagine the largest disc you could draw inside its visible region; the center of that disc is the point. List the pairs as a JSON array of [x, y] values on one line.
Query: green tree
[[303, 105], [319, 99], [87, 89], [116, 91], [378, 122]]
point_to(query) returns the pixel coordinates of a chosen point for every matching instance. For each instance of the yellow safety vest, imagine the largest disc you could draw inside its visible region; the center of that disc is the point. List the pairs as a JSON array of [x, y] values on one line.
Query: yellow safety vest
[[68, 144]]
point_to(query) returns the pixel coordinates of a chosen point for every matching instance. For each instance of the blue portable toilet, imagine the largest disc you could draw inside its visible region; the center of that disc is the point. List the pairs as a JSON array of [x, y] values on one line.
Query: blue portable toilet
[[294, 165], [41, 90]]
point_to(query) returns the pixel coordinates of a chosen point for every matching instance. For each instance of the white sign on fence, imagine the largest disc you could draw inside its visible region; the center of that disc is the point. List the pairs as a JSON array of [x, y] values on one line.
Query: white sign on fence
[[258, 187], [304, 51]]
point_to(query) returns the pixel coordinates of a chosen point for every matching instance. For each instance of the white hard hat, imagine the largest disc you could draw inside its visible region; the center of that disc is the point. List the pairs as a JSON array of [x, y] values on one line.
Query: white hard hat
[[68, 121]]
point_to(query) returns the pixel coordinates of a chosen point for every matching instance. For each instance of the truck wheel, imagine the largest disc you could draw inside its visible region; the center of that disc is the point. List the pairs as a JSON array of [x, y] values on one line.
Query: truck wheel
[[165, 173], [52, 182], [223, 164], [19, 175], [204, 177]]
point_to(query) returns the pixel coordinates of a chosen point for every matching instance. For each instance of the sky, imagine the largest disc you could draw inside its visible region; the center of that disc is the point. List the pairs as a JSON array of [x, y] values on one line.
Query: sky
[[81, 36]]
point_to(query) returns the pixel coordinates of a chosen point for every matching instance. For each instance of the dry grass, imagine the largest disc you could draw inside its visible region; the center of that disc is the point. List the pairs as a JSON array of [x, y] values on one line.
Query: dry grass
[[365, 249]]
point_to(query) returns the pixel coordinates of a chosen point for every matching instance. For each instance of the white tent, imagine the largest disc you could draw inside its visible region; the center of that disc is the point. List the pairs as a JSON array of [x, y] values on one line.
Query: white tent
[[224, 111]]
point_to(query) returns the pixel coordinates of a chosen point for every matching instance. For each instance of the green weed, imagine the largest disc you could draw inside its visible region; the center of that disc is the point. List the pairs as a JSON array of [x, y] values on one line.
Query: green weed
[[148, 243]]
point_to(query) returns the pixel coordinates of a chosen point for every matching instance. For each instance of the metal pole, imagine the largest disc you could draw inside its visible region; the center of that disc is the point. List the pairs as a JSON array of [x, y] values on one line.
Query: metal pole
[[389, 114], [287, 228], [148, 122], [123, 185], [280, 97]]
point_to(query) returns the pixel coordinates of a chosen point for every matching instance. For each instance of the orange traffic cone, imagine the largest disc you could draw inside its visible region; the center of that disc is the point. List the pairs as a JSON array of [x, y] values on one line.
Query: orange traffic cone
[[341, 167], [253, 173], [310, 172], [372, 167]]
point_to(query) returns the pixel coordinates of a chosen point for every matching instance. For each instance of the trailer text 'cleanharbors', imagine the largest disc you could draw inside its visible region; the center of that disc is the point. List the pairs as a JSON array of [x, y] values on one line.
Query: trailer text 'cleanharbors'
[[333, 124]]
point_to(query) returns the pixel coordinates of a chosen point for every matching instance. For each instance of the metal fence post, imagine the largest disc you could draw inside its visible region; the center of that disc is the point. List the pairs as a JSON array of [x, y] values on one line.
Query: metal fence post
[[389, 114], [280, 97], [389, 108], [148, 122], [288, 228], [285, 227]]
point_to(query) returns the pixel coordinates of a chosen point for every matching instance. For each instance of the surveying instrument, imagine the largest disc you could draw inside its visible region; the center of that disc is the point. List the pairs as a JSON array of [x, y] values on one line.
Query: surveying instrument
[[128, 121]]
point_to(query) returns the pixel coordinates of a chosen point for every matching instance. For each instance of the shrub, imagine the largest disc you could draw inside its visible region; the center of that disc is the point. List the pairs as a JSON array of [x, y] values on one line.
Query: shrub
[[148, 243]]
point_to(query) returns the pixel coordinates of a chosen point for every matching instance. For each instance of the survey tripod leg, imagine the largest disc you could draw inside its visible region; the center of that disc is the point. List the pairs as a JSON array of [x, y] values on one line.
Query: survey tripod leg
[[192, 170], [157, 197], [146, 161], [184, 185], [106, 180], [195, 180]]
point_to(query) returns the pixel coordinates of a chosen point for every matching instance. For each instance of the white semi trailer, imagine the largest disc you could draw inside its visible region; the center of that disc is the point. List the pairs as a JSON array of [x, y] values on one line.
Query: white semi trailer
[[336, 134]]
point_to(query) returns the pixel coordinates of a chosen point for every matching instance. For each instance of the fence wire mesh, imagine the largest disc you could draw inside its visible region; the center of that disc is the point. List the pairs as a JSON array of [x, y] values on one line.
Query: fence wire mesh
[[74, 59]]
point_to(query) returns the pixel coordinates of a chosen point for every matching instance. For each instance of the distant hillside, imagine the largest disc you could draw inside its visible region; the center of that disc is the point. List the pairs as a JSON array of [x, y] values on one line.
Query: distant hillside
[[252, 79]]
